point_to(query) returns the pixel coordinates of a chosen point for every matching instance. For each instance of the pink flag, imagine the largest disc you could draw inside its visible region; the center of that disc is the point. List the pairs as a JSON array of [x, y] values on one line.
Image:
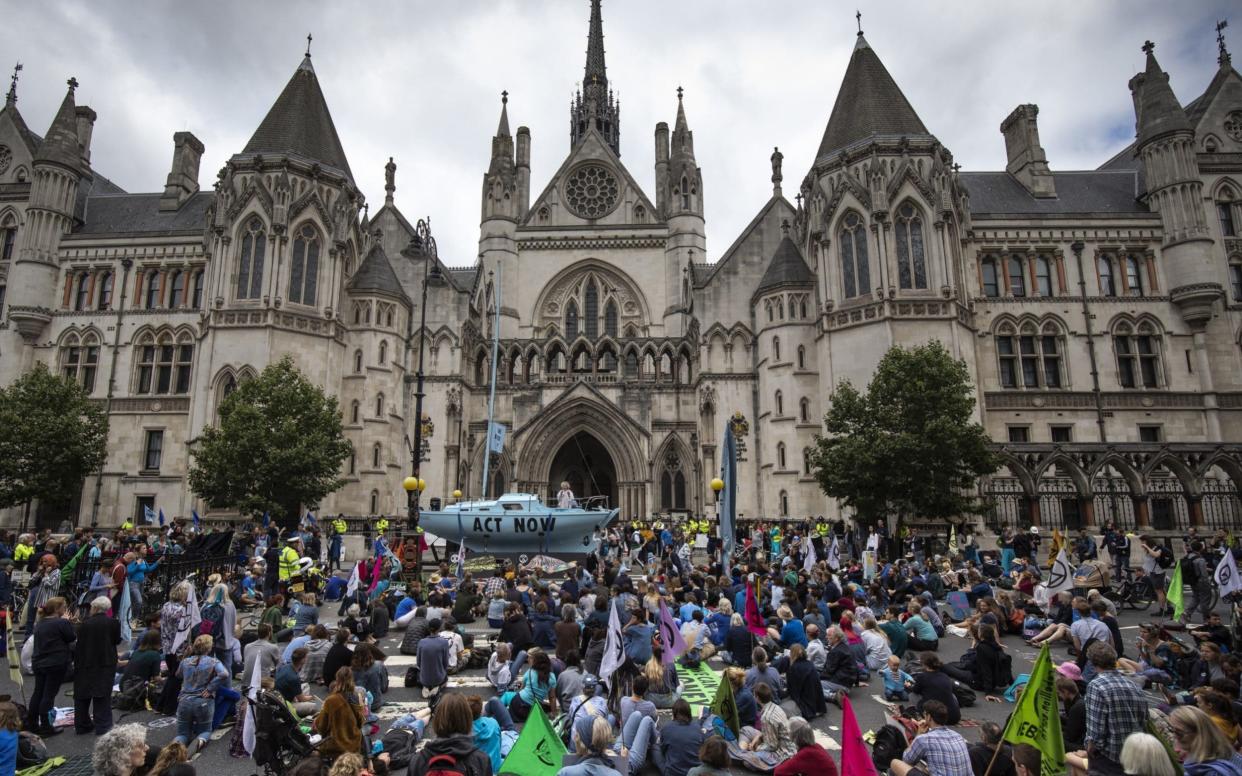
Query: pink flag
[[855, 756], [674, 644], [754, 620], [375, 572]]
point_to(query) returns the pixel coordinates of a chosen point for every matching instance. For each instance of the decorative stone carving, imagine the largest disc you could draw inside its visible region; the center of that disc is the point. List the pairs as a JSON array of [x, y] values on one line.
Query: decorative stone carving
[[592, 191]]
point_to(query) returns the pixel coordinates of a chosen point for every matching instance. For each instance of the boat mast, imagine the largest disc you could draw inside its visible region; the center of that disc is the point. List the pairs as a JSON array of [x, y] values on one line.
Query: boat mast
[[491, 398]]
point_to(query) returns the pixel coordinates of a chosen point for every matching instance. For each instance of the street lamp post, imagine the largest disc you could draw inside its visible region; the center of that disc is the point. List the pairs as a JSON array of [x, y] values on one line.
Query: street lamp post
[[421, 245], [717, 485]]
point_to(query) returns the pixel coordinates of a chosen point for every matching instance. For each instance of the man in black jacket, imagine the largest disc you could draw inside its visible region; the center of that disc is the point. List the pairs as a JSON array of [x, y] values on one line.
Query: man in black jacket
[[94, 663], [840, 670]]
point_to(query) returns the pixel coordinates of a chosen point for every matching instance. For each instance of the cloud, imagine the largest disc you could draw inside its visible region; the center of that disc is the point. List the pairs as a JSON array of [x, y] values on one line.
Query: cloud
[[421, 81]]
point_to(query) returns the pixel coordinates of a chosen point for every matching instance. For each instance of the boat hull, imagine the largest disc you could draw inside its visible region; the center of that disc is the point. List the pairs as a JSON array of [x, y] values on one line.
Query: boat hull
[[557, 532]]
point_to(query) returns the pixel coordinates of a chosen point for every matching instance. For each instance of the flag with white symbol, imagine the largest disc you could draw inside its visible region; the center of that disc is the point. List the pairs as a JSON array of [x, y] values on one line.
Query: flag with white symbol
[[808, 564], [1226, 575], [614, 647], [834, 554], [1061, 575]]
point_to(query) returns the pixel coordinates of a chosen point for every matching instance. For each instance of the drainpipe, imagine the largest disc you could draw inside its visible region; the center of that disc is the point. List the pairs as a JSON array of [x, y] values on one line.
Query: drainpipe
[[126, 265], [1077, 247]]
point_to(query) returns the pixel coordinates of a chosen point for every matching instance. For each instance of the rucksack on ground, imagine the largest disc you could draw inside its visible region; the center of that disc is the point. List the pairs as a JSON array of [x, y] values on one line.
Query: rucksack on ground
[[399, 746], [890, 744], [212, 623]]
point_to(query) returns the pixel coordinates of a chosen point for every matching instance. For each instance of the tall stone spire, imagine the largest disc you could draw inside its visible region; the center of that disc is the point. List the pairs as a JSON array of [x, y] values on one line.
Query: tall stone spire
[[61, 142], [594, 105], [11, 98], [1159, 112]]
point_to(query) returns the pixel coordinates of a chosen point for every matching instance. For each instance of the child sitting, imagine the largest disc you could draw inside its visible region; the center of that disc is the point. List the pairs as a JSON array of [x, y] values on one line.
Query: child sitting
[[896, 681]]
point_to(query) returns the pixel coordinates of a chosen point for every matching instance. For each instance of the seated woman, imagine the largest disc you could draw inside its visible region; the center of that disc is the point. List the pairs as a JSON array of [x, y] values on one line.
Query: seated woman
[[922, 636], [743, 698], [663, 684], [680, 741], [932, 684], [340, 721], [1157, 661], [737, 643], [454, 740], [985, 666], [810, 757], [595, 756], [144, 664], [762, 673], [538, 686], [803, 682], [1204, 749], [1061, 616]]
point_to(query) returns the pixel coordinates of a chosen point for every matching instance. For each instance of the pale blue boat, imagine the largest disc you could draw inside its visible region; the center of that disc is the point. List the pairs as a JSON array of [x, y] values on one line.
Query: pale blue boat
[[520, 524]]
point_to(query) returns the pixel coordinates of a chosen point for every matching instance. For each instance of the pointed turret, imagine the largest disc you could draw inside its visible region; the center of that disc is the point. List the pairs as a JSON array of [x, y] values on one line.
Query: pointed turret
[[868, 104], [502, 144], [299, 124], [1159, 112], [60, 146], [683, 209], [684, 177], [594, 105], [787, 268]]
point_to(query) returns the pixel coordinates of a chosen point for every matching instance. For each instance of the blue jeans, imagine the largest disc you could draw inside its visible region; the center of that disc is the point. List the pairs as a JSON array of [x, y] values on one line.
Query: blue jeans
[[226, 701], [497, 711], [1006, 559], [636, 736], [194, 719]]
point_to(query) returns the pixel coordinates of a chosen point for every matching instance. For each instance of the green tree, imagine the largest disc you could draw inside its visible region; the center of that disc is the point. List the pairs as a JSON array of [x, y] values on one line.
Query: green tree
[[51, 437], [279, 445], [908, 445]]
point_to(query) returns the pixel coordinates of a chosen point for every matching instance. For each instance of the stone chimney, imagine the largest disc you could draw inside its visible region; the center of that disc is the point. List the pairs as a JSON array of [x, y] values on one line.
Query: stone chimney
[[86, 125], [1027, 161], [183, 178]]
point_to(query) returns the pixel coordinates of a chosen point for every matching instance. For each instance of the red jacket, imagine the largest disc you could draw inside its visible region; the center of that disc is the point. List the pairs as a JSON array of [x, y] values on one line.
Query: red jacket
[[809, 761]]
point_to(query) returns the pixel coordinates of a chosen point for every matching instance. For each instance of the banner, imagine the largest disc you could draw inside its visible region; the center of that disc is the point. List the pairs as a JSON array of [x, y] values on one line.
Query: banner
[[809, 563], [1226, 575], [753, 615], [855, 755], [834, 555], [538, 750], [723, 705], [1177, 593], [674, 644], [727, 507], [1061, 574], [15, 659], [614, 647], [496, 438], [189, 622], [1036, 720]]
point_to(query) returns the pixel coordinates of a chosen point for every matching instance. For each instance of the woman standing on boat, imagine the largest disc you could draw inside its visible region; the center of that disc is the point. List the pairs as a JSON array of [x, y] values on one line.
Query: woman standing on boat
[[565, 497]]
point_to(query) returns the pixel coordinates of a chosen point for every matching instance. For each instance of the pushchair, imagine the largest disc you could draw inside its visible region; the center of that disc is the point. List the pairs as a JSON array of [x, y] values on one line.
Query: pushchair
[[279, 744]]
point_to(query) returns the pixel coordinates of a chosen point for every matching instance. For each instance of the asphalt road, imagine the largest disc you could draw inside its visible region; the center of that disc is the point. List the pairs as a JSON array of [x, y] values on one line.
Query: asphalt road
[[867, 701]]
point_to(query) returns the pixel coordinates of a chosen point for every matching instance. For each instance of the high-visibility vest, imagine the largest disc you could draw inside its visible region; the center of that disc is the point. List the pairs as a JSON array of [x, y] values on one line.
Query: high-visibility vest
[[339, 526], [288, 562], [381, 525], [22, 553], [127, 526]]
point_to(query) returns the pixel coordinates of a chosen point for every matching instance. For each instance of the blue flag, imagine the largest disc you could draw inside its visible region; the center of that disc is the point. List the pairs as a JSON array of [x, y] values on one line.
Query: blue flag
[[197, 520], [161, 517], [310, 519], [727, 511], [267, 519], [147, 514]]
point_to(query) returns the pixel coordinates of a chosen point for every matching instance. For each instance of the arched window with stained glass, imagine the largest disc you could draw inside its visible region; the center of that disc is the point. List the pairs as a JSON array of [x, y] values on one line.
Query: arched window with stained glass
[[591, 310], [304, 269], [610, 318], [250, 261], [911, 262], [571, 320], [855, 269]]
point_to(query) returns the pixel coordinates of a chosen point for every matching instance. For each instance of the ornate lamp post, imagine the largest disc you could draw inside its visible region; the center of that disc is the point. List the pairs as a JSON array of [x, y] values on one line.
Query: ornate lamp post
[[422, 245]]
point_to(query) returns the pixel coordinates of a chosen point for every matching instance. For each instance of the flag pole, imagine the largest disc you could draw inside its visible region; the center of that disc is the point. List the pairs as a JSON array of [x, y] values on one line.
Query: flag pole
[[995, 754]]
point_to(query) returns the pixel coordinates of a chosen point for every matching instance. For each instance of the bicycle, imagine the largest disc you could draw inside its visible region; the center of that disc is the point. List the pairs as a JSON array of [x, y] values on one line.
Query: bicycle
[[1133, 590]]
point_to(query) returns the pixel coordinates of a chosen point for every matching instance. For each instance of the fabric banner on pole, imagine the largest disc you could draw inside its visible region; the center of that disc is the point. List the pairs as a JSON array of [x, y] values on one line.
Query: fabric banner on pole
[[1226, 575], [834, 555], [15, 659], [753, 614], [1177, 593], [725, 707], [674, 644], [809, 563], [855, 755], [251, 722], [538, 750], [614, 646], [189, 622], [727, 510], [1061, 575], [1036, 720]]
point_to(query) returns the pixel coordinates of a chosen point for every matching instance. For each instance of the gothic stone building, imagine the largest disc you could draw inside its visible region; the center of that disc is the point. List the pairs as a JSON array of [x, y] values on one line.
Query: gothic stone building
[[1098, 310]]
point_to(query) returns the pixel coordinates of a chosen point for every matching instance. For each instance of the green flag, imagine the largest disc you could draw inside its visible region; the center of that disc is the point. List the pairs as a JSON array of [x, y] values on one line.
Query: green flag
[[1176, 594], [1036, 719], [67, 572], [538, 750], [724, 707]]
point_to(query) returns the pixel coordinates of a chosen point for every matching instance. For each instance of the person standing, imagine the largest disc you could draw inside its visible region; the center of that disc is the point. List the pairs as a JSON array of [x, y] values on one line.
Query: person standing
[[1116, 707], [565, 497], [53, 642], [136, 572], [1156, 560], [94, 668]]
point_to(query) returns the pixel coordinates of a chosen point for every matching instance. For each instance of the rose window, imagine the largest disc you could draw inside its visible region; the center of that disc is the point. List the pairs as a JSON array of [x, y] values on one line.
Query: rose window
[[1233, 125], [592, 191], [6, 158]]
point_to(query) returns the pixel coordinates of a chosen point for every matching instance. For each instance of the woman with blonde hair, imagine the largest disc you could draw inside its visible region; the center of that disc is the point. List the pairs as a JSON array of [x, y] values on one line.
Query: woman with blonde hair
[[173, 760], [44, 585], [565, 497], [663, 684], [1143, 754], [340, 721], [1198, 740], [201, 676], [174, 618]]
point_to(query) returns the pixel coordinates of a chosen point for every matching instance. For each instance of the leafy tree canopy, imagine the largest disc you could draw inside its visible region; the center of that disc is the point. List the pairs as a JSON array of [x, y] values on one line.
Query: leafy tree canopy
[[279, 444], [51, 437], [907, 446]]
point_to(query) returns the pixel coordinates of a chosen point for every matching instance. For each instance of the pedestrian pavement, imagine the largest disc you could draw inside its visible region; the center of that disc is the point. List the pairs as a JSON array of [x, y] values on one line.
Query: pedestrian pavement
[[867, 701]]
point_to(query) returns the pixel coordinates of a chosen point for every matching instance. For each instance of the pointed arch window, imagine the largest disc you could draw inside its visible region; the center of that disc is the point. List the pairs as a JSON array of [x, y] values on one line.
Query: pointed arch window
[[164, 366], [990, 276], [379, 406], [780, 403], [1017, 276], [571, 321], [185, 363], [776, 348], [672, 483], [353, 462], [1224, 209], [807, 459], [780, 455], [152, 296], [375, 456], [354, 410], [610, 319], [1108, 281], [196, 298], [250, 261], [105, 291], [383, 353], [804, 410], [855, 269], [631, 364], [911, 263], [79, 360], [685, 193], [8, 241], [784, 503], [304, 271], [1138, 356], [801, 357], [375, 502], [82, 293], [358, 361], [591, 309], [1043, 276], [176, 290], [1134, 277]]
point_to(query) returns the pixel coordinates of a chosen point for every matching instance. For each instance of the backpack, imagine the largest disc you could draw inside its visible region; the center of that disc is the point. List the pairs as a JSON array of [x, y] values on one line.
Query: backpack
[[692, 659], [1190, 576], [1165, 559], [444, 765], [131, 697], [399, 745], [965, 696], [890, 744], [411, 676], [212, 623], [31, 750]]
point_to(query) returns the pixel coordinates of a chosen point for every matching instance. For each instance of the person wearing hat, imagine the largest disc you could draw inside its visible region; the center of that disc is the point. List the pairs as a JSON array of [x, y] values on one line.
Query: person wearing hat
[[1073, 709]]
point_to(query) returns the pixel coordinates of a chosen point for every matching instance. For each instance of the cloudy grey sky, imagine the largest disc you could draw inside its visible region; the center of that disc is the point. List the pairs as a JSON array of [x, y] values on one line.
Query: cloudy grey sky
[[421, 81]]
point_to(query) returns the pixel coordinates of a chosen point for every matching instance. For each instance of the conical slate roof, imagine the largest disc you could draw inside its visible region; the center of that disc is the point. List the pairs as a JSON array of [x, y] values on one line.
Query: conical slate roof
[[786, 268], [1159, 111], [868, 103], [61, 143], [299, 123], [376, 275]]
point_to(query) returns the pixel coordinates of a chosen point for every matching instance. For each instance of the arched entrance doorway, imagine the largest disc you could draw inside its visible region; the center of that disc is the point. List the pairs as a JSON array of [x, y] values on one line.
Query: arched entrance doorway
[[585, 464]]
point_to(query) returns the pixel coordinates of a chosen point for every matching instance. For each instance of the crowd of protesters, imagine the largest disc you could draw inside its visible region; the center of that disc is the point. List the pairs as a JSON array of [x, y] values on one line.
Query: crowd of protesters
[[799, 616]]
